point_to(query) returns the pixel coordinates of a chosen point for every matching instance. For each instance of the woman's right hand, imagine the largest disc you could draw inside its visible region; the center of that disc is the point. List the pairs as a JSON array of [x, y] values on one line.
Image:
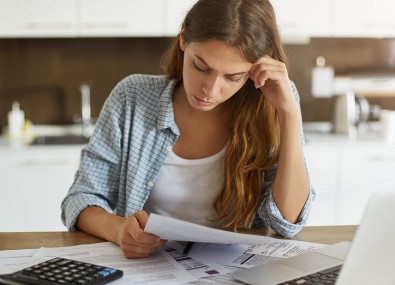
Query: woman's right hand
[[134, 242]]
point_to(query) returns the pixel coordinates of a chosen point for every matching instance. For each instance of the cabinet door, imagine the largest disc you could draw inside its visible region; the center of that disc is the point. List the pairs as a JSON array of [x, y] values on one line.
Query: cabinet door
[[175, 11], [322, 162], [38, 18], [120, 18], [299, 20], [365, 169], [363, 18], [33, 185]]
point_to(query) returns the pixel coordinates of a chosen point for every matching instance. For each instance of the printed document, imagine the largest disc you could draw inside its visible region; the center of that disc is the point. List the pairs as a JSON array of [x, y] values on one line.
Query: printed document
[[159, 268], [214, 256], [206, 263], [173, 229]]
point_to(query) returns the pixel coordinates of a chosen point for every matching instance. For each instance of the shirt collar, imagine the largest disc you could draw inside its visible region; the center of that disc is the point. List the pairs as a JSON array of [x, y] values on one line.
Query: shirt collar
[[166, 111]]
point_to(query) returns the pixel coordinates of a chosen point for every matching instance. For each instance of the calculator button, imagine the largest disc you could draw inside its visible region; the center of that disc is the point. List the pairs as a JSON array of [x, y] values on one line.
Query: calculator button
[[69, 278], [103, 273]]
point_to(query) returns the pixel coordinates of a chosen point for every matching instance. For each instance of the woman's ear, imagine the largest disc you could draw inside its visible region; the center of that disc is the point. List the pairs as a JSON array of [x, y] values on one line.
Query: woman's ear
[[182, 39]]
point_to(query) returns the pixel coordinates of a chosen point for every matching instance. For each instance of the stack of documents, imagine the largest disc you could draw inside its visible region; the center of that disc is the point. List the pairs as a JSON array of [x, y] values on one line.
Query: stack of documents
[[213, 257]]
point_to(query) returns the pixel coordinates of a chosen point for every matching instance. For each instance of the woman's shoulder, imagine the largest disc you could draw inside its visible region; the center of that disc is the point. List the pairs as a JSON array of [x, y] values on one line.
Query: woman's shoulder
[[136, 81]]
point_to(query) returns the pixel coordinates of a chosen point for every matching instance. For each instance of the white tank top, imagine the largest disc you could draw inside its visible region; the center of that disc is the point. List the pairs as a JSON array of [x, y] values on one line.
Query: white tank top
[[186, 188]]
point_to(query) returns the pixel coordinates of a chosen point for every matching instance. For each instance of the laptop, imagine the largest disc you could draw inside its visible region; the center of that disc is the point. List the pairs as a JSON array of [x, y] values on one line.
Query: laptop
[[369, 259]]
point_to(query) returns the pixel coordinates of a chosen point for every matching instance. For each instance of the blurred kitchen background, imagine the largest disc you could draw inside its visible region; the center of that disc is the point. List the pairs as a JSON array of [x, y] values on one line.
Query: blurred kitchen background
[[44, 75], [49, 49]]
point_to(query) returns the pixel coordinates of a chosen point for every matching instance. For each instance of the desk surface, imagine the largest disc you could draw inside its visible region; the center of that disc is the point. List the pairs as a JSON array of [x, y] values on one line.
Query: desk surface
[[325, 235]]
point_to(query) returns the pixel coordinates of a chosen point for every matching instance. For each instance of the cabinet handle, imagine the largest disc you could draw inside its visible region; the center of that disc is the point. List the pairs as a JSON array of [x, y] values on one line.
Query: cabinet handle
[[50, 26], [377, 26], [54, 162], [379, 158], [105, 26]]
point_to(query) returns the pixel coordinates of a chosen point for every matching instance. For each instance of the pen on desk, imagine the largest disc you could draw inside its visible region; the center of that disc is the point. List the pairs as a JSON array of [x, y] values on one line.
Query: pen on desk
[[187, 247]]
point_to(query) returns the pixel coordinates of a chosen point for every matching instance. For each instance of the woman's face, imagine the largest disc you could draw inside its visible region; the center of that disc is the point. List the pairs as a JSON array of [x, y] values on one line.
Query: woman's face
[[213, 72]]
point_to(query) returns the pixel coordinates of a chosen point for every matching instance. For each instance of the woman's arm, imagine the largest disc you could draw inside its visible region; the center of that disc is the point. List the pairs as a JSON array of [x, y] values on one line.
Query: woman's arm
[[128, 233], [291, 184], [94, 195]]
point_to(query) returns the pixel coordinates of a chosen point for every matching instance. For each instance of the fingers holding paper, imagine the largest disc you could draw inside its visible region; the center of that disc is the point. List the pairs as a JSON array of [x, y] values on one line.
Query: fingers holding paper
[[134, 242]]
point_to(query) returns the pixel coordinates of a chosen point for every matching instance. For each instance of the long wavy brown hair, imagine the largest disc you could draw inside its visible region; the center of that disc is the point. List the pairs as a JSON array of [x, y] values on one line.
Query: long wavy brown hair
[[254, 137]]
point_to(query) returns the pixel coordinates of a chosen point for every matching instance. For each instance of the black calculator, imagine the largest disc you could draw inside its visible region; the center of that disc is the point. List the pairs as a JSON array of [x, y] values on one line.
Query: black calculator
[[62, 271]]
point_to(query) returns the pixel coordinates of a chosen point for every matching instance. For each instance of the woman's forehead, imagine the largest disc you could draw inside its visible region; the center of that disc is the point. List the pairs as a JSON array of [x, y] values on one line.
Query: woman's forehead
[[217, 54]]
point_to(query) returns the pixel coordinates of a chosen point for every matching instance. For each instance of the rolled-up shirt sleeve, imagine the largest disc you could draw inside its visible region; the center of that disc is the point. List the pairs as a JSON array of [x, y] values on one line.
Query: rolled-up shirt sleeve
[[272, 217], [87, 190], [97, 179]]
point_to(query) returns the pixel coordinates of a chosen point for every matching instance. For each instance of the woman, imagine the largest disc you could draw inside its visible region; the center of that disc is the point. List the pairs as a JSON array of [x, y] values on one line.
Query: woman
[[217, 141]]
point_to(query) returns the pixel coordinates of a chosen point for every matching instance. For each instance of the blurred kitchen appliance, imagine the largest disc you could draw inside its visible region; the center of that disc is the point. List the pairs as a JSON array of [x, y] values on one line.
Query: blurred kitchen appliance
[[345, 113], [351, 106], [388, 125]]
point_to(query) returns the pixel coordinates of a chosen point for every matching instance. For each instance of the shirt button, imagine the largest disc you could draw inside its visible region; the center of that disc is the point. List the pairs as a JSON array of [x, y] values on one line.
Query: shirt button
[[150, 183], [169, 148]]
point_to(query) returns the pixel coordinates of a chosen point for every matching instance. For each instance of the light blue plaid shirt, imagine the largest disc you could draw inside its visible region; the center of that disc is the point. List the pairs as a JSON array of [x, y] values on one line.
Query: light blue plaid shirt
[[133, 135]]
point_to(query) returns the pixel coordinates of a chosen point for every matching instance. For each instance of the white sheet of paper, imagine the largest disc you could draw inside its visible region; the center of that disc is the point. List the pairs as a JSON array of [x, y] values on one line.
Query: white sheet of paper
[[18, 253], [12, 264], [14, 260], [200, 268], [245, 256], [158, 269], [173, 229]]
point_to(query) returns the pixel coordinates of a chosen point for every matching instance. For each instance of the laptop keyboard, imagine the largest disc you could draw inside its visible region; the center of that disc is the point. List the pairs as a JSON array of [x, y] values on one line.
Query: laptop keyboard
[[324, 277]]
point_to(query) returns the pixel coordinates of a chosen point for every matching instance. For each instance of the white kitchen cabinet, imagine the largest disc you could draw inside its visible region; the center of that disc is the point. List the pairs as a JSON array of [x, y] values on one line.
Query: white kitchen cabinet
[[365, 169], [315, 21], [302, 19], [345, 173], [175, 12], [324, 177], [81, 18], [364, 18], [298, 19], [38, 18], [112, 18], [33, 182]]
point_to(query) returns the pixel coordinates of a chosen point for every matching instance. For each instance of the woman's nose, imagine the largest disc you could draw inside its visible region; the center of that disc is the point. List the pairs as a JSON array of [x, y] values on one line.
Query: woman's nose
[[212, 87]]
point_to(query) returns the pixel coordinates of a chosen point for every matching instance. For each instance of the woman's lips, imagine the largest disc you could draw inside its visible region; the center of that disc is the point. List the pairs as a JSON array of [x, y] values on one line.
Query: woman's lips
[[202, 102]]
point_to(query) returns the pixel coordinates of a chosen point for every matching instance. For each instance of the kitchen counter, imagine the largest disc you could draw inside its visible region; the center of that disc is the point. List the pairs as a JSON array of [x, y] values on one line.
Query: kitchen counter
[[315, 132], [320, 133], [61, 135]]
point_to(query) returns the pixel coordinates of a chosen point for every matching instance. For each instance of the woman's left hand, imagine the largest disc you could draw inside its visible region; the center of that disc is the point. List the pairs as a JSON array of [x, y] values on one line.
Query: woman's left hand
[[271, 77]]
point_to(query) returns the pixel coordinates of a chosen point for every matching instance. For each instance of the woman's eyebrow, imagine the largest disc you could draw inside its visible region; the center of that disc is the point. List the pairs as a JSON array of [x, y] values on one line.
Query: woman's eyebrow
[[202, 60], [232, 74]]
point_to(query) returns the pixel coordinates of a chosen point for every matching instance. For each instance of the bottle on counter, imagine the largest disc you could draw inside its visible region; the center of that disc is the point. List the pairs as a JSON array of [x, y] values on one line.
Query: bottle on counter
[[322, 79], [16, 120]]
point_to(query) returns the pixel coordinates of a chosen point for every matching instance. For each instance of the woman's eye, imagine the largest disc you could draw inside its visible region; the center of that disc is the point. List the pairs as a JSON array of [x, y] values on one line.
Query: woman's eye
[[199, 68], [235, 79]]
